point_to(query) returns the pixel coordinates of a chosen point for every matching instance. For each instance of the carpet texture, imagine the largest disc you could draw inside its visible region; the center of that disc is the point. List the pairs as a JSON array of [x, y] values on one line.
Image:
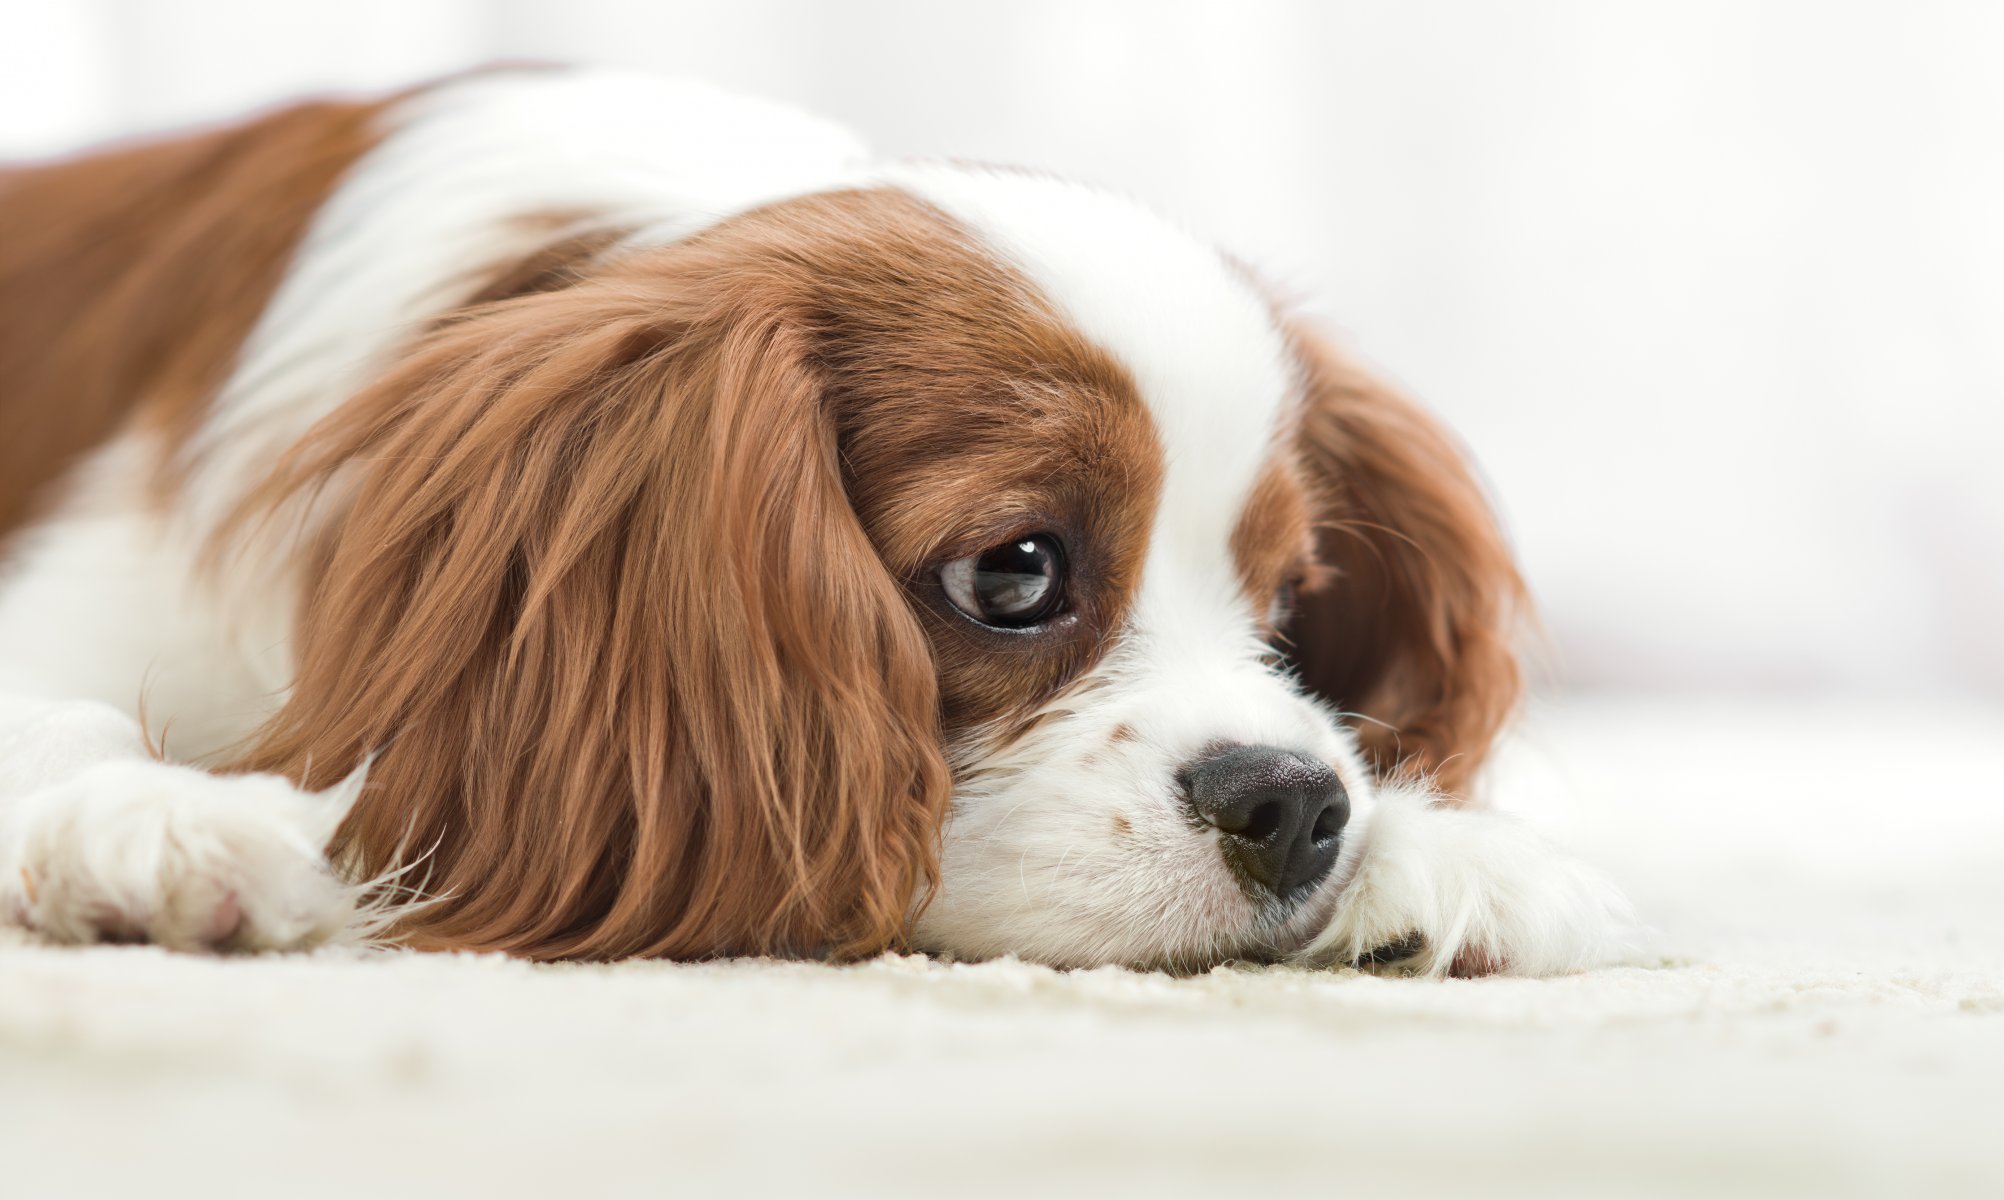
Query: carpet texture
[[1815, 1008]]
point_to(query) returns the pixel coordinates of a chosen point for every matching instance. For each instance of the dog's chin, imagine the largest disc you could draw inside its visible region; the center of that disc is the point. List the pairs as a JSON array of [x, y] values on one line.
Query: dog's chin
[[1282, 935], [1275, 934], [1306, 922], [1278, 939]]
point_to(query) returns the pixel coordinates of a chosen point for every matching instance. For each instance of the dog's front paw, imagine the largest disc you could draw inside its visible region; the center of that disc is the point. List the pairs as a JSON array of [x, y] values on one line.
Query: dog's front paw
[[1440, 891], [140, 851]]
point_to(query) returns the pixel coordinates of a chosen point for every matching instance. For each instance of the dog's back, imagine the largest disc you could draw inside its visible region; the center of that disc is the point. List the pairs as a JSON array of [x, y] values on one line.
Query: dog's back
[[129, 278]]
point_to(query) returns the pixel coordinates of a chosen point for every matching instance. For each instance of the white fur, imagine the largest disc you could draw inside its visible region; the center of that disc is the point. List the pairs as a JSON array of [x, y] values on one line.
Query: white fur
[[1070, 846], [102, 601], [1478, 889], [98, 841]]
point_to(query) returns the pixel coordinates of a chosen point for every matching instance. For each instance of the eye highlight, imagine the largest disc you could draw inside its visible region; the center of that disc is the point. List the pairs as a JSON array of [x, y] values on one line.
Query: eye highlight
[[1016, 585]]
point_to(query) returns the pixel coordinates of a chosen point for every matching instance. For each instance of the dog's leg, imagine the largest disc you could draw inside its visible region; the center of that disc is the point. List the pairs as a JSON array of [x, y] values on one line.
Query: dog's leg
[[100, 841], [99, 838], [1440, 890]]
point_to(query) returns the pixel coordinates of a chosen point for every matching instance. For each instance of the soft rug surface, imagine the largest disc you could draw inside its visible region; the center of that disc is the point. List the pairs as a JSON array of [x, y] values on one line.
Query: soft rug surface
[[1815, 1008]]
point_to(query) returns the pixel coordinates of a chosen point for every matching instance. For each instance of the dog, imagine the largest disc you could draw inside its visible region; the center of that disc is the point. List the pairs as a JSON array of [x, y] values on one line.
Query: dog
[[578, 515]]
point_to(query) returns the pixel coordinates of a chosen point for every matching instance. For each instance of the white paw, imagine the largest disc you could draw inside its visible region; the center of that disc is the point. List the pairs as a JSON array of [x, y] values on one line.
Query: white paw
[[147, 851], [1446, 891]]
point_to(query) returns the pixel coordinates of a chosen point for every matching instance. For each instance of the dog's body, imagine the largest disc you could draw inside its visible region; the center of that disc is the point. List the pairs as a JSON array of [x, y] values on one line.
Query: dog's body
[[708, 541]]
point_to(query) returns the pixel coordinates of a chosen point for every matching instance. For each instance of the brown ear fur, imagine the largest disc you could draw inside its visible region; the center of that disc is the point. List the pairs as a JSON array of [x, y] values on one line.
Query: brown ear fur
[[627, 664], [1413, 629]]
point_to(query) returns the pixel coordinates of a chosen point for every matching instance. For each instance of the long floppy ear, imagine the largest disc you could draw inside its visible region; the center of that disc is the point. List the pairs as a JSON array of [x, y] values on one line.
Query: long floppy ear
[[1413, 626], [619, 656]]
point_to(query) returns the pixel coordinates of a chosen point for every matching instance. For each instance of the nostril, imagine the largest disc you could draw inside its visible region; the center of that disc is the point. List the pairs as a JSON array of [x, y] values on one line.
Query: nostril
[[1328, 824], [1261, 823]]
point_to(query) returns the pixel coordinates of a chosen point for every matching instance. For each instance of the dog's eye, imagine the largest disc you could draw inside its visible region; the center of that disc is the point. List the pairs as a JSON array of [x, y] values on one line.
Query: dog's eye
[[1012, 586]]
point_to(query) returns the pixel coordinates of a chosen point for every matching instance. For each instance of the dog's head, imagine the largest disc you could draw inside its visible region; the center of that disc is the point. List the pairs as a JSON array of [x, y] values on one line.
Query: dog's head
[[969, 561]]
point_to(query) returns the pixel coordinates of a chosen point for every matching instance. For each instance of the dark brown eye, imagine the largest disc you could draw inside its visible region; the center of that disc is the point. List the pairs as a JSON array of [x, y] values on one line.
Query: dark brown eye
[[1012, 586]]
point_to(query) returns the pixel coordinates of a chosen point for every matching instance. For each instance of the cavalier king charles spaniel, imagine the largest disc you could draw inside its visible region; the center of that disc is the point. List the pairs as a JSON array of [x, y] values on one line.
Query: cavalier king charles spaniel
[[582, 516]]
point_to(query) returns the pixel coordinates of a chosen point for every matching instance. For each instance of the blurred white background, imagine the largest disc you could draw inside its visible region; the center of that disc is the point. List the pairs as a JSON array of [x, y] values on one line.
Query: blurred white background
[[1715, 288]]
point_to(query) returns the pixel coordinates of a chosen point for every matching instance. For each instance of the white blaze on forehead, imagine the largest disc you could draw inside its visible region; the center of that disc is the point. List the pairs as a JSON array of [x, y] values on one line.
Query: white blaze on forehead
[[1199, 342]]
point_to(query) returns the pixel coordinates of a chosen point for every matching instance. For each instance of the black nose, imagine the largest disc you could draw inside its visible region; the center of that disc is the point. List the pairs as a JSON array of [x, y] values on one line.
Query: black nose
[[1280, 814]]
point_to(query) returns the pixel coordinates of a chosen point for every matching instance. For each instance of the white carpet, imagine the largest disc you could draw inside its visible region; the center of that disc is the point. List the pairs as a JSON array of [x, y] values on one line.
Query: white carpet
[[1820, 1011]]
